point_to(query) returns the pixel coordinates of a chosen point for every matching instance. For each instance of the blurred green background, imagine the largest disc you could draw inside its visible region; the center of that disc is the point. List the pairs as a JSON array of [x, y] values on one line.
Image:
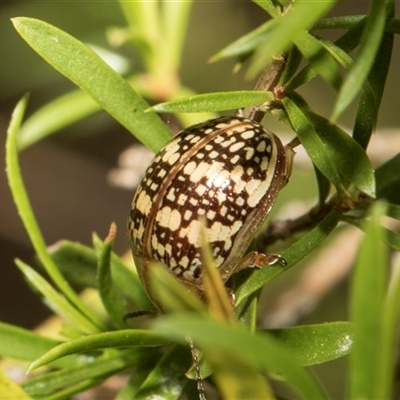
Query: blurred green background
[[66, 174]]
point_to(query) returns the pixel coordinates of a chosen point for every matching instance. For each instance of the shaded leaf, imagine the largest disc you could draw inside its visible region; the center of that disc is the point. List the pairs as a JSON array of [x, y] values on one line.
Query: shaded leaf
[[389, 343], [167, 380], [367, 115], [367, 301], [388, 180], [332, 150], [312, 142], [340, 22], [349, 157], [365, 57]]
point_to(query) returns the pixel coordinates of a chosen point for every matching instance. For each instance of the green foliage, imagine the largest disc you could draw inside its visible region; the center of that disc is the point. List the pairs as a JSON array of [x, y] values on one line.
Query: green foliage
[[98, 342]]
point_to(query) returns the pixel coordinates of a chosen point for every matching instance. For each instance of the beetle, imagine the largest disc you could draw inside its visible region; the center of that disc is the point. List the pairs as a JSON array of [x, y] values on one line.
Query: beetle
[[224, 173]]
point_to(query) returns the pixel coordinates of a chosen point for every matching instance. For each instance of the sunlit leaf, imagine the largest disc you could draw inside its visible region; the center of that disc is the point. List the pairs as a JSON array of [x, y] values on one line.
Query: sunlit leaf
[[317, 343], [57, 114], [97, 369], [25, 211], [220, 101], [10, 389], [88, 71], [100, 341], [258, 350]]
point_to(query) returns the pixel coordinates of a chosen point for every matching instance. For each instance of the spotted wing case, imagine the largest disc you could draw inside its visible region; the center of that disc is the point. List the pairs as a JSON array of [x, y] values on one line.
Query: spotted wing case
[[226, 171]]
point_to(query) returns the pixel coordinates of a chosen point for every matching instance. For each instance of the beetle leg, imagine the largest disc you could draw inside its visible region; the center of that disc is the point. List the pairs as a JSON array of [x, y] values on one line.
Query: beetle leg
[[255, 259]]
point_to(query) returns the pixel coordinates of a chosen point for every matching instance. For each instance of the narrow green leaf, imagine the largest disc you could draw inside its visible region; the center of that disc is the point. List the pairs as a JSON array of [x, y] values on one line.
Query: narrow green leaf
[[393, 26], [109, 294], [349, 157], [388, 180], [324, 187], [275, 36], [23, 344], [97, 369], [246, 44], [59, 113], [293, 61], [387, 361], [299, 17], [237, 380], [339, 49], [219, 101], [345, 161], [77, 263], [392, 239], [88, 71], [27, 216], [292, 256], [367, 302], [145, 26], [170, 294], [100, 341], [320, 59], [175, 18], [270, 7], [55, 301], [66, 254], [393, 210], [72, 390], [313, 144], [260, 350], [10, 390], [317, 343], [219, 302], [341, 22], [365, 57], [143, 368], [367, 115], [167, 380]]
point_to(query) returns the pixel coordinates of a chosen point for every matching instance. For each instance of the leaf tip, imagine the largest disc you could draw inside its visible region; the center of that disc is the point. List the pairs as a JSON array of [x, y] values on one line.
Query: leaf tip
[[150, 109], [34, 365]]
